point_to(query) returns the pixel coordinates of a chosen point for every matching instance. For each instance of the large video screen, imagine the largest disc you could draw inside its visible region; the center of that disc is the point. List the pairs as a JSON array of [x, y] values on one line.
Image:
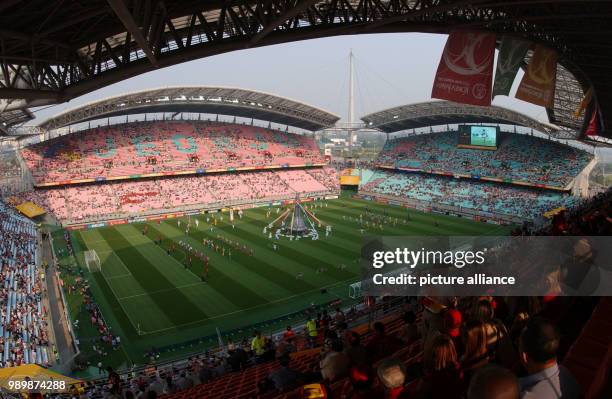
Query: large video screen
[[478, 136]]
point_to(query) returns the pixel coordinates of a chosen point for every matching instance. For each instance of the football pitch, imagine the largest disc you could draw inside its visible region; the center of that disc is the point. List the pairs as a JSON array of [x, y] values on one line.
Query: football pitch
[[153, 296]]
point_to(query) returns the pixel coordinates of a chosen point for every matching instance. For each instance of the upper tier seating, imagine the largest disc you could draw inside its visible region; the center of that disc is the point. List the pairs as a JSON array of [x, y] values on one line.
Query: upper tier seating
[[23, 328], [518, 157], [480, 196], [79, 203], [161, 147]]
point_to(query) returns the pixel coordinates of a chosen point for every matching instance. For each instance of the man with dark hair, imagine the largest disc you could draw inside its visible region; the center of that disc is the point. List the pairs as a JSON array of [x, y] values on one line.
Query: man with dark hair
[[285, 378], [382, 345], [493, 382], [546, 379]]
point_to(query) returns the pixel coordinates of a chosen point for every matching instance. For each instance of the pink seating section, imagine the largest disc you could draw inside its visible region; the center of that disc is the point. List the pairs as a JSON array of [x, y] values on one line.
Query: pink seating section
[[165, 146], [100, 201]]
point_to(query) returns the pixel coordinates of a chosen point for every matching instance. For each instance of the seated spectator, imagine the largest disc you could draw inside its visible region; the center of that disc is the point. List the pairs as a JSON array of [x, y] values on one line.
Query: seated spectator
[[493, 382], [335, 363], [381, 345], [356, 353], [392, 375], [284, 378], [546, 379], [361, 384], [410, 331]]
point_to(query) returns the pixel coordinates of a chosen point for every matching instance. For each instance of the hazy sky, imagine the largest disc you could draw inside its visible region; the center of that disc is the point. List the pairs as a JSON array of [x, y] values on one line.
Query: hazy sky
[[390, 70]]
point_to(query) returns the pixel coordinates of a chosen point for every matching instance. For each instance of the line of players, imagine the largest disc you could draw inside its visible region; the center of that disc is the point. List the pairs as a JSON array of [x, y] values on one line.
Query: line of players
[[220, 245]]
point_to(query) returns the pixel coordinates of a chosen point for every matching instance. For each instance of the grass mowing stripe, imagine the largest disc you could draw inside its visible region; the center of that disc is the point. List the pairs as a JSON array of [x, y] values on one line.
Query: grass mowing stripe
[[267, 261], [258, 269], [221, 272], [307, 259], [337, 248], [176, 306]]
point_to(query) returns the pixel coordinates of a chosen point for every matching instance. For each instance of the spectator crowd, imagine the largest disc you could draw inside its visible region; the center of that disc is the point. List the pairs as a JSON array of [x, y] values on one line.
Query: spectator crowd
[[484, 197], [129, 198], [518, 157], [23, 317], [164, 147]]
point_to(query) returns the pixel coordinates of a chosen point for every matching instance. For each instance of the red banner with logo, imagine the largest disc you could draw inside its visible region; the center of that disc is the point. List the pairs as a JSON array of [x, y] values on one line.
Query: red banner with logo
[[466, 68], [593, 127], [538, 84]]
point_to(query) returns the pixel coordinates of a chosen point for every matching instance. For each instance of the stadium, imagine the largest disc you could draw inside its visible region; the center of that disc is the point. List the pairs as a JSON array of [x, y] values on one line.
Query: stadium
[[203, 241]]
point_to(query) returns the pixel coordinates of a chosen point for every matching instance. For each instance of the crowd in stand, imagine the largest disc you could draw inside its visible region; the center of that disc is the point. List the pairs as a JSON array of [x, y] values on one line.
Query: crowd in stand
[[128, 198], [23, 325], [9, 167], [10, 174], [518, 157], [488, 198], [473, 348], [168, 146]]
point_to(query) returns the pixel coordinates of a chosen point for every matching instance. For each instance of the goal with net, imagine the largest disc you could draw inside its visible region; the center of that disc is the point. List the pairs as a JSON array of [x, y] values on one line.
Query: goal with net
[[92, 261]]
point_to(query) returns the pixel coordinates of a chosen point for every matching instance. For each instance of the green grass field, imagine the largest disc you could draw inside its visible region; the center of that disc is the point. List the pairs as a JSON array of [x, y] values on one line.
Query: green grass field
[[154, 299]]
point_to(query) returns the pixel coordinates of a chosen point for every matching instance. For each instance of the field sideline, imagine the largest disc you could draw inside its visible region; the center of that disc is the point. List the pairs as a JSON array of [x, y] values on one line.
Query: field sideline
[[153, 298]]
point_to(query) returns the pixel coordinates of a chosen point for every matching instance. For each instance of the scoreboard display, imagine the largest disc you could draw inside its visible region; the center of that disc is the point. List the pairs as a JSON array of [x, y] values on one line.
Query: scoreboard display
[[478, 137]]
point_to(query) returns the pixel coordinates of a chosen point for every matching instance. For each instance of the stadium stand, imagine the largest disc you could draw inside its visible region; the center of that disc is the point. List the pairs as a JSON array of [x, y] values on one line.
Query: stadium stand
[[438, 346], [518, 158], [480, 196], [23, 325], [144, 148], [79, 203]]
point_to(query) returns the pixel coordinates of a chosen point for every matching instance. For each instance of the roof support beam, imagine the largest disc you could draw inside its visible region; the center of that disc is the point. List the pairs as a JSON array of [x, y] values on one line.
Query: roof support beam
[[127, 20], [290, 12]]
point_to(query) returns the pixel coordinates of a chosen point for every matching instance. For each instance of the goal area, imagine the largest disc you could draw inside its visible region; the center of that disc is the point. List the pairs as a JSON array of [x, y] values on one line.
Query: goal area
[[92, 261]]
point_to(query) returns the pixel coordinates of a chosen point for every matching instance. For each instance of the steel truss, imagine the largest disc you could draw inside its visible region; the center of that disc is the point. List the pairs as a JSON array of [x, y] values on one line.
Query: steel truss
[[51, 53]]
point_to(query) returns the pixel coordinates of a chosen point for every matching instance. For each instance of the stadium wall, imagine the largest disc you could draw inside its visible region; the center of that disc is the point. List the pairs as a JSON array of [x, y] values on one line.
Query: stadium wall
[[476, 177], [431, 207], [117, 219]]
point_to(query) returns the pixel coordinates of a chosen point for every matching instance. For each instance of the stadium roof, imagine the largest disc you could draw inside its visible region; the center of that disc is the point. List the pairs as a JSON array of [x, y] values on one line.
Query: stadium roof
[[14, 117], [197, 99], [53, 51], [433, 113]]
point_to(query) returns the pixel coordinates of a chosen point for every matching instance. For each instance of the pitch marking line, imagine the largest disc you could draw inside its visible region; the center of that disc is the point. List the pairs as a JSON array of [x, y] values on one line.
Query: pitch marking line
[[176, 326], [159, 291], [123, 265]]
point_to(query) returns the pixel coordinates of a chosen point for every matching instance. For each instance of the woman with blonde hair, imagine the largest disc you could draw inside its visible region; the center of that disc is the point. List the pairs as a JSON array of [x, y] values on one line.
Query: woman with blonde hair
[[443, 377], [476, 347]]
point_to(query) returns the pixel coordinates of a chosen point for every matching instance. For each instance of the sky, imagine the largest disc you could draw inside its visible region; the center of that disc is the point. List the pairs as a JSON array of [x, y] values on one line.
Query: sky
[[390, 70]]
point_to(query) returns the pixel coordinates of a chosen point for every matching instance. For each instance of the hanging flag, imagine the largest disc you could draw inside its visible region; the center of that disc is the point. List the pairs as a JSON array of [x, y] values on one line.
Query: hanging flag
[[511, 55], [593, 127], [583, 104], [465, 69], [538, 84]]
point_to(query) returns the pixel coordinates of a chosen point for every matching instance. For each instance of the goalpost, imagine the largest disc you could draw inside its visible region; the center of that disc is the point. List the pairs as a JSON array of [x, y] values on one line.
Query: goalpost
[[92, 261]]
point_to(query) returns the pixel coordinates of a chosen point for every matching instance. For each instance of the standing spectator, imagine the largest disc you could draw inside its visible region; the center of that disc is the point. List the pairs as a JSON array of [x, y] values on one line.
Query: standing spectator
[[493, 382], [443, 377], [476, 353], [539, 344]]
